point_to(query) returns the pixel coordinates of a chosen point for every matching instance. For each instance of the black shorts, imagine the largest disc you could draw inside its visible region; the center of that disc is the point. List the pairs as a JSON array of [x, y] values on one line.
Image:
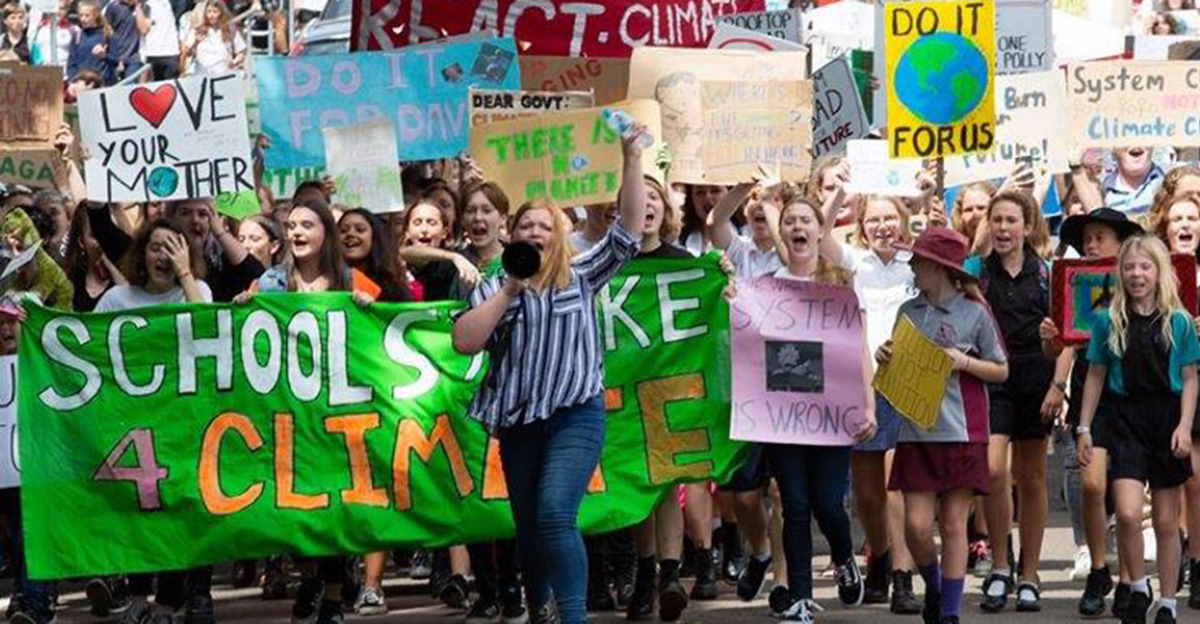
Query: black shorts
[[752, 475], [1138, 433], [1015, 406]]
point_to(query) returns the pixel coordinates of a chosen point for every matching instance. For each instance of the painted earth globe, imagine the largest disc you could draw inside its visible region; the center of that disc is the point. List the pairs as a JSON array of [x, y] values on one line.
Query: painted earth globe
[[941, 77]]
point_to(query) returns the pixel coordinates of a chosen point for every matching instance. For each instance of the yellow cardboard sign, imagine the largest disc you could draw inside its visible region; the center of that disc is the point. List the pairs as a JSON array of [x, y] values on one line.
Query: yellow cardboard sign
[[941, 67], [571, 157], [914, 380]]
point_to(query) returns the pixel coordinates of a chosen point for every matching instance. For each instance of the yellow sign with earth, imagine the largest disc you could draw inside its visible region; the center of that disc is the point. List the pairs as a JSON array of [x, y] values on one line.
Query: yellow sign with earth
[[941, 69]]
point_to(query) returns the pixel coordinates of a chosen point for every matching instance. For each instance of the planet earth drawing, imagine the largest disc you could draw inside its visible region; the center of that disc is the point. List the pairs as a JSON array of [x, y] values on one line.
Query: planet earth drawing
[[941, 77], [163, 181]]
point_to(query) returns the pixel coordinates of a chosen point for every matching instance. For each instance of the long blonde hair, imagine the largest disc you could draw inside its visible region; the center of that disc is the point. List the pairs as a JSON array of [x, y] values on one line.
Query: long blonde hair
[[556, 260], [826, 271], [1166, 296]]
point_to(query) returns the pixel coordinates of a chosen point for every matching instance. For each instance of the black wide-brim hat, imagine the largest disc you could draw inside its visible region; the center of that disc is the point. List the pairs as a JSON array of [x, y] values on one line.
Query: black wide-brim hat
[[1071, 231]]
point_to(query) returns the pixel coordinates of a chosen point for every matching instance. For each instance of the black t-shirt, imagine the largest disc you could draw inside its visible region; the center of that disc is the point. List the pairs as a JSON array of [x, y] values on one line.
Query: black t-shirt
[[1147, 356], [440, 280], [1019, 303], [232, 280], [666, 250]]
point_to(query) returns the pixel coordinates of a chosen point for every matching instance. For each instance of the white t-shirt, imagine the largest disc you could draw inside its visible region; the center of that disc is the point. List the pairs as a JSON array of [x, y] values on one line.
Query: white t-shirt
[[128, 297], [880, 288], [749, 261], [212, 54], [163, 37]]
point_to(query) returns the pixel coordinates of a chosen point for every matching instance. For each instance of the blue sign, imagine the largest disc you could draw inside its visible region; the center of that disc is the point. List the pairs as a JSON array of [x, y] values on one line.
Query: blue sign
[[421, 89]]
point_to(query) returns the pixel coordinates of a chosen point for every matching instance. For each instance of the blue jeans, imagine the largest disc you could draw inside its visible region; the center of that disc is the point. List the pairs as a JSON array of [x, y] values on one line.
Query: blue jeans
[[547, 466], [37, 597], [812, 482]]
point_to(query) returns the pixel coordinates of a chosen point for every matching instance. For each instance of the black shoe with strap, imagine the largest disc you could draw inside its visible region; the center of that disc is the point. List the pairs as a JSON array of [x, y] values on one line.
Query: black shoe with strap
[[672, 600], [1029, 596], [1139, 604], [705, 587], [993, 603]]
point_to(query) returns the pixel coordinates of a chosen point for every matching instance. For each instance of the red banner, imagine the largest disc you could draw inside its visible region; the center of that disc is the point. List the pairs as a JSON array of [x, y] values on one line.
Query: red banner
[[549, 27]]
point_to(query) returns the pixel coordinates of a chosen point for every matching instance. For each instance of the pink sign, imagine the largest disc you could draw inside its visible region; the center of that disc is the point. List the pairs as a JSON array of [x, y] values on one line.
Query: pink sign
[[797, 363]]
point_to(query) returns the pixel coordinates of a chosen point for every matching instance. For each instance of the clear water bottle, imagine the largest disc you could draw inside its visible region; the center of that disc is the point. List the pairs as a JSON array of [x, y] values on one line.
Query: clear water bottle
[[621, 123]]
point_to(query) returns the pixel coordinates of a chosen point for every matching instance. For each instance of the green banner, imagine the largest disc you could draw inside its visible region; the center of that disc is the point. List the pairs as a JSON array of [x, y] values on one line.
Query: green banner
[[169, 437]]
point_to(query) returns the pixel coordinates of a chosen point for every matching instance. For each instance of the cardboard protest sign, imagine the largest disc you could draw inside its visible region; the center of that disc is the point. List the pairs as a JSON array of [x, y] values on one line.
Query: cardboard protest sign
[[1130, 103], [834, 30], [838, 115], [552, 27], [10, 464], [422, 90], [1030, 113], [1024, 42], [787, 24], [492, 105], [362, 161], [797, 363], [607, 78], [914, 380], [1081, 288], [178, 139], [570, 157], [872, 172], [941, 67], [1112, 12], [31, 167], [676, 78], [748, 124], [730, 37]]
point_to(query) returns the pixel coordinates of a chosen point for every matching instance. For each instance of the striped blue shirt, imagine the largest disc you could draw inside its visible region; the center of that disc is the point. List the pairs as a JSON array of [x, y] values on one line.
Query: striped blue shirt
[[545, 351]]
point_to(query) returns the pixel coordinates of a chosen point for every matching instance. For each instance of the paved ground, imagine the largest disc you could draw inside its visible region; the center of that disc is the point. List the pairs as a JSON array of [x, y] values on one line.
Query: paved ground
[[409, 603]]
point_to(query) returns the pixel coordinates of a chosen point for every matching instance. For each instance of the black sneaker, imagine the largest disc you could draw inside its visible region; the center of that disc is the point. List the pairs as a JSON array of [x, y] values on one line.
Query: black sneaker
[[1139, 604], [779, 600], [931, 612], [308, 601], [754, 577], [330, 612], [455, 592], [1164, 616], [904, 601], [600, 597], [641, 603], [512, 607], [1120, 600], [1099, 583], [734, 554], [1194, 584], [850, 583], [99, 595], [244, 573], [483, 610], [672, 600], [995, 603], [545, 614], [275, 579], [199, 610], [876, 584], [706, 576]]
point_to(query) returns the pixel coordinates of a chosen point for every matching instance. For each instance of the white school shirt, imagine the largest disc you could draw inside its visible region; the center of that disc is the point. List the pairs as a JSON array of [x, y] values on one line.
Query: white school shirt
[[212, 54], [163, 37], [750, 262], [880, 288], [129, 297]]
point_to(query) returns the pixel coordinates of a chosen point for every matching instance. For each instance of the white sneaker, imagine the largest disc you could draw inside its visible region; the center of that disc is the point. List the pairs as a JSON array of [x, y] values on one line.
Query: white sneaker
[[801, 611], [370, 602], [1083, 564]]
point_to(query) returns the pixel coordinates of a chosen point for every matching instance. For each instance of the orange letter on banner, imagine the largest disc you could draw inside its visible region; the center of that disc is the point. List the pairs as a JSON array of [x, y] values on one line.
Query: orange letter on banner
[[210, 473], [494, 486], [662, 445], [355, 427], [285, 471], [411, 438]]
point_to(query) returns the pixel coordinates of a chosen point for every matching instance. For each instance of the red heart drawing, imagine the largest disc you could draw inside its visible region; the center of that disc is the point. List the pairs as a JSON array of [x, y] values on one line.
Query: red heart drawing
[[154, 105]]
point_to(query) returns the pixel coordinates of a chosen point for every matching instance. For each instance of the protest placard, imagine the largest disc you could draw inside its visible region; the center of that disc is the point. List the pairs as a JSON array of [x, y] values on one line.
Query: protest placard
[[237, 205], [31, 110], [1081, 288], [556, 27], [838, 115], [571, 157], [1030, 111], [177, 139], [1111, 12], [31, 167], [797, 363], [606, 78], [871, 171], [1131, 103], [368, 420], [914, 380], [750, 125], [10, 463], [787, 24], [422, 90], [363, 163], [1024, 42], [940, 74], [492, 105], [730, 37], [675, 78], [834, 30]]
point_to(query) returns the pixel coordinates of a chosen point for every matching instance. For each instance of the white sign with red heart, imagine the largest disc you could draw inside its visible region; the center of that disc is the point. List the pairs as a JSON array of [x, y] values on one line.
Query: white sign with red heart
[[179, 139]]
